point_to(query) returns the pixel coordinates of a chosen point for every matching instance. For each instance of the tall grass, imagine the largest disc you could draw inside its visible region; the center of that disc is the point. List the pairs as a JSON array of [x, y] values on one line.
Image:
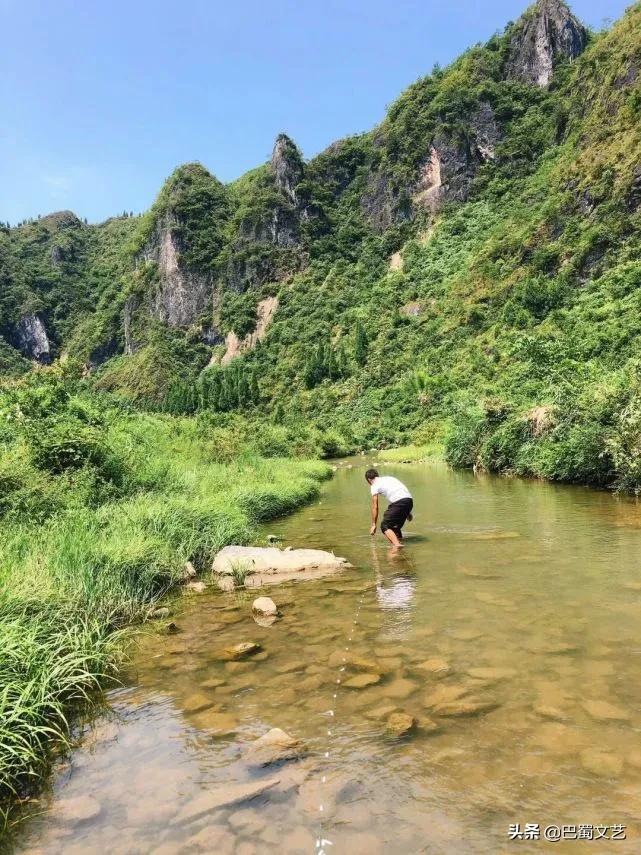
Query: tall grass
[[70, 582]]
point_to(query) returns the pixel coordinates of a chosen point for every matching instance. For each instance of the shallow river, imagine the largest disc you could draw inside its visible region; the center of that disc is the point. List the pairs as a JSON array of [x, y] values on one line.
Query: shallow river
[[509, 628]]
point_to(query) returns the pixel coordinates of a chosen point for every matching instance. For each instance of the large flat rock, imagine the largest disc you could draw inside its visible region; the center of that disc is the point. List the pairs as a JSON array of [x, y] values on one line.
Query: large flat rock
[[268, 565]]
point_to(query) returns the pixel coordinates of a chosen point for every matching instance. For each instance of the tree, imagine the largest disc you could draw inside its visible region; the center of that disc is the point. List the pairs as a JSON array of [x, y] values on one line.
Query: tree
[[360, 346], [255, 389]]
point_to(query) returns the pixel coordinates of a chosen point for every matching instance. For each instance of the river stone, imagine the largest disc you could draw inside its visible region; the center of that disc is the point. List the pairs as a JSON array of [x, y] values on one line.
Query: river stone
[[604, 711], [351, 662], [492, 674], [269, 565], [289, 667], [311, 683], [466, 634], [274, 746], [195, 587], [208, 839], [197, 703], [78, 809], [213, 683], [550, 712], [435, 667], [219, 723], [400, 724], [603, 764], [381, 712], [428, 725], [400, 689], [225, 795], [455, 709], [265, 607], [361, 681], [444, 694], [189, 571], [239, 651]]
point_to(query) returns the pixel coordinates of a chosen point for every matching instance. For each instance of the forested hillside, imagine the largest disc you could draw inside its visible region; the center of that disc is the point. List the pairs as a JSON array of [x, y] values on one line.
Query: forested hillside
[[466, 272]]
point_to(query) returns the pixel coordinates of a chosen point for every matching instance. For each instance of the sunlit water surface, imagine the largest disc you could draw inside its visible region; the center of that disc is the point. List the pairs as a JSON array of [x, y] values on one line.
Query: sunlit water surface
[[529, 593]]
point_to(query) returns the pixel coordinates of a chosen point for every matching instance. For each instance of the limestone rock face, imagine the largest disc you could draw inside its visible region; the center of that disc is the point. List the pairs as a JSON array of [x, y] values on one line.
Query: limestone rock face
[[547, 32], [182, 296], [32, 339], [287, 166], [265, 311], [451, 165]]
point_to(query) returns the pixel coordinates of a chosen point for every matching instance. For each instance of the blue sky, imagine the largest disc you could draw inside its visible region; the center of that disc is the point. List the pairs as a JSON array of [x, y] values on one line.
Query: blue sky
[[100, 101]]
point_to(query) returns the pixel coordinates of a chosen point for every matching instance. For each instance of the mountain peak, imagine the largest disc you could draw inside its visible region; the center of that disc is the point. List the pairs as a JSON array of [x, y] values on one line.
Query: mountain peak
[[545, 33], [287, 166]]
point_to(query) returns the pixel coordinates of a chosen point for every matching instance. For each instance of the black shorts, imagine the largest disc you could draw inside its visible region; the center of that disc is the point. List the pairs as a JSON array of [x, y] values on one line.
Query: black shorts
[[396, 515]]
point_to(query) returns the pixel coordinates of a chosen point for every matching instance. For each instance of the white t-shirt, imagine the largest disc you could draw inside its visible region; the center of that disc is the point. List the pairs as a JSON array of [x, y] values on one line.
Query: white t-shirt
[[390, 487]]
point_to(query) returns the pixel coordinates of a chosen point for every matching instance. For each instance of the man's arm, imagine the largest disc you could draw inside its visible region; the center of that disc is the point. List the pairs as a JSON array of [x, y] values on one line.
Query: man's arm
[[374, 514]]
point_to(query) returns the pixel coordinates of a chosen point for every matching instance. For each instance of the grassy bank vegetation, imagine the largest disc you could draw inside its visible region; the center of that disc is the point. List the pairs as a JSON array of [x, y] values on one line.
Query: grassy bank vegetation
[[99, 510]]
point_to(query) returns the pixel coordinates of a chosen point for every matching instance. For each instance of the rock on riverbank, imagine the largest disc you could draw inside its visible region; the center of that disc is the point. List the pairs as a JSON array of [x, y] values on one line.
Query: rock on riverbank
[[269, 566]]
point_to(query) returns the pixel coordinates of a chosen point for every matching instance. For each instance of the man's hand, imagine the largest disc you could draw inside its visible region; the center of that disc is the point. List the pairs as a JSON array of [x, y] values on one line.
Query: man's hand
[[373, 529]]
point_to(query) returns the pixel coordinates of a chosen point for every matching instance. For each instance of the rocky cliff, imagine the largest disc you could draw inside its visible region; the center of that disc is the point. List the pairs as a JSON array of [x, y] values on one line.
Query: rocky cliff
[[181, 295], [547, 33], [32, 339]]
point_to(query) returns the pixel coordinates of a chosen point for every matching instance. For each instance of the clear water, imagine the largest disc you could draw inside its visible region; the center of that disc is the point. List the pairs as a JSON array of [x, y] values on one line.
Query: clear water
[[538, 586]]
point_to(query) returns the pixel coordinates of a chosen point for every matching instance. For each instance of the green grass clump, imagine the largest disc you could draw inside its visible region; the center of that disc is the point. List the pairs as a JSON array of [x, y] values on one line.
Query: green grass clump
[[86, 547]]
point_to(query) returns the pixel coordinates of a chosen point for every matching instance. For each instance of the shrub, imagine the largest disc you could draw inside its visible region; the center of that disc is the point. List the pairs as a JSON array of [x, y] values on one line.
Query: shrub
[[464, 438]]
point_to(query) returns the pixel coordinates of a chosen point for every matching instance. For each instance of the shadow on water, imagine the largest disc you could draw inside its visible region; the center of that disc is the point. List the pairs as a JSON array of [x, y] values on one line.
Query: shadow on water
[[506, 631]]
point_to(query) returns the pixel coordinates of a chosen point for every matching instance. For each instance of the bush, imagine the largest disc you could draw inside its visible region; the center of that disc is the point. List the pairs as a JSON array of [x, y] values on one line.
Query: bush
[[464, 438]]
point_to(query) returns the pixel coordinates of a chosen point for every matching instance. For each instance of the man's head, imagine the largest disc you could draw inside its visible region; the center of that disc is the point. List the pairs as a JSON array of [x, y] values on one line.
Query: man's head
[[370, 475]]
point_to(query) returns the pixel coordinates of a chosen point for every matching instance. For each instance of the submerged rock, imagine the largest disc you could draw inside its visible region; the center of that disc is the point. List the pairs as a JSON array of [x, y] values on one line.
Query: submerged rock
[[400, 724], [492, 674], [267, 565], [197, 702], [354, 663], [79, 809], [239, 651], [361, 681], [603, 764], [275, 746], [454, 709], [217, 722], [434, 667], [226, 795], [444, 695], [550, 712], [605, 711], [195, 587]]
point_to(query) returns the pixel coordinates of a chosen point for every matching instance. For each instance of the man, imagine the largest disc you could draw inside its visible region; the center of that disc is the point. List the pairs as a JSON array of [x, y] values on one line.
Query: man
[[399, 509]]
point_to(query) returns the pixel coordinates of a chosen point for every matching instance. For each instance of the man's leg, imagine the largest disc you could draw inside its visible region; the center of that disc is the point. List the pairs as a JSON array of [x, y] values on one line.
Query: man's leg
[[391, 535]]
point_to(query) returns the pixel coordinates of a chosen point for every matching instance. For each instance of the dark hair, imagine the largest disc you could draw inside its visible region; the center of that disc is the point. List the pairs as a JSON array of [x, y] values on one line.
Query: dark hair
[[371, 474]]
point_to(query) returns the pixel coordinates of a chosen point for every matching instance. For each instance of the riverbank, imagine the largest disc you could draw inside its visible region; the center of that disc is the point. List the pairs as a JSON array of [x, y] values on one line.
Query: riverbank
[[100, 511]]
